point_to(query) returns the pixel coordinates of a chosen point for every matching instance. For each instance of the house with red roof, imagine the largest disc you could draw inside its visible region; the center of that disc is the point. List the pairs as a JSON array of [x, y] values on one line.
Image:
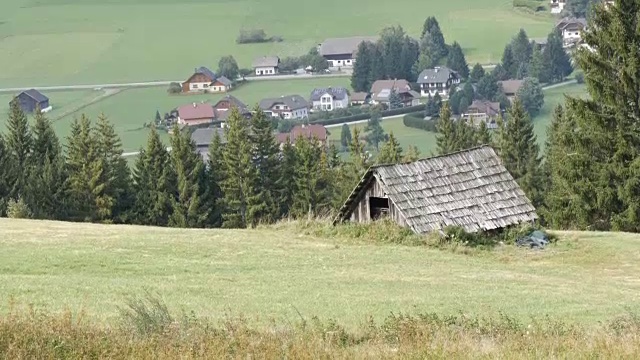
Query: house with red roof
[[195, 114], [304, 131]]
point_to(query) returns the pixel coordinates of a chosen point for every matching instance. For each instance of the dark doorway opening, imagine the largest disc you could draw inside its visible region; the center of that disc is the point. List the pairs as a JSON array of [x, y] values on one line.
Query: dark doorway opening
[[378, 207]]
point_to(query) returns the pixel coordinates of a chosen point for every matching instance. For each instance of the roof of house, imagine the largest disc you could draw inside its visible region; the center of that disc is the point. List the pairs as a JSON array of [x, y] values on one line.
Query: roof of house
[[204, 136], [359, 96], [294, 102], [338, 93], [470, 189], [486, 107], [309, 131], [266, 61], [542, 41], [567, 21], [224, 81], [234, 101], [399, 85], [196, 111], [205, 71], [439, 74], [511, 86], [342, 46], [35, 95]]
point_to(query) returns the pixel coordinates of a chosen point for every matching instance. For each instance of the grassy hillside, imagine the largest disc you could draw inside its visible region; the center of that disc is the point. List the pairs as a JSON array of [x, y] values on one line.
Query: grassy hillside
[[278, 272], [55, 42]]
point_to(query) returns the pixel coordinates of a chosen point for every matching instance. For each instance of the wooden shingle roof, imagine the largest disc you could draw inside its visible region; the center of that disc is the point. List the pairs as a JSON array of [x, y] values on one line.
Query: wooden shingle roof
[[470, 189]]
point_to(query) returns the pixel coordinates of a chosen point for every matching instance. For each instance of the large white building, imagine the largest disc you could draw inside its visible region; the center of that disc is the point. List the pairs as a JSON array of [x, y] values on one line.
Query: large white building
[[266, 65], [437, 81], [329, 99], [341, 52]]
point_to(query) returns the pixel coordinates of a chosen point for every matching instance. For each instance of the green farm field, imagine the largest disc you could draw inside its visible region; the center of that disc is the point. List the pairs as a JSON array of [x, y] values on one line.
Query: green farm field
[[280, 272], [66, 42]]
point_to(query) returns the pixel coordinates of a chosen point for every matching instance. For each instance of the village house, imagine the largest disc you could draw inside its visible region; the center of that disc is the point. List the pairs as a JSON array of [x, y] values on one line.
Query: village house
[[32, 100], [328, 99], [266, 65], [223, 107], [203, 137], [510, 88], [195, 114], [470, 189], [359, 98], [304, 131], [381, 90], [205, 80], [286, 107], [437, 81], [482, 111], [341, 52], [557, 6], [571, 29]]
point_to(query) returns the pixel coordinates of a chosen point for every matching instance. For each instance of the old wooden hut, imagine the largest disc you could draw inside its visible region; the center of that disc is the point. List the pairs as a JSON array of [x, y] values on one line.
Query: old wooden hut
[[470, 189]]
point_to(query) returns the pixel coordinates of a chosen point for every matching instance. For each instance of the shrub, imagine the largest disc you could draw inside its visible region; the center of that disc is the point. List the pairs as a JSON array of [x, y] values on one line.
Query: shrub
[[533, 5], [147, 315], [416, 120], [367, 115], [580, 77], [18, 209], [174, 88], [253, 36]]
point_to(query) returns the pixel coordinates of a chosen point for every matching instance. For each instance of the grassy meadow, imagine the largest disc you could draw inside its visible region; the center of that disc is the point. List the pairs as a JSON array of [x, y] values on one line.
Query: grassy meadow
[[288, 271], [60, 42]]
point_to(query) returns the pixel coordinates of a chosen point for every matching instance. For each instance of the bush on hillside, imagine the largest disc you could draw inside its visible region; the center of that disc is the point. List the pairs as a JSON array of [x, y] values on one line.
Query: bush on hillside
[[18, 209], [416, 120], [174, 88], [254, 36], [533, 5]]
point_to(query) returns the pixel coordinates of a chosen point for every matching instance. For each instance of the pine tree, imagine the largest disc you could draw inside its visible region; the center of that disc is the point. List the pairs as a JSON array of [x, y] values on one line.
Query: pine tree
[[158, 119], [395, 101], [476, 73], [375, 132], [345, 136], [215, 176], [408, 58], [446, 137], [262, 206], [556, 61], [153, 184], [412, 154], [359, 157], [433, 106], [117, 178], [19, 143], [519, 151], [531, 96], [309, 196], [508, 62], [240, 175], [85, 168], [46, 183], [537, 66], [521, 49], [190, 201], [6, 176], [488, 88], [456, 60], [437, 46], [390, 43], [361, 76], [483, 136], [377, 71], [287, 178], [391, 151]]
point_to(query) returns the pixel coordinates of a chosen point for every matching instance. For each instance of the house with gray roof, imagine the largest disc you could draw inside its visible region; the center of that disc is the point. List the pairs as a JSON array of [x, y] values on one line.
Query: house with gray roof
[[203, 137], [207, 81], [381, 92], [437, 81], [266, 65], [341, 52], [470, 189], [286, 107], [571, 29], [328, 99]]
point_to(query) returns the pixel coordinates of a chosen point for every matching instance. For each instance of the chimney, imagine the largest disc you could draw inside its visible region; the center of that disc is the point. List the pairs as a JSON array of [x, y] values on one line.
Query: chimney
[[195, 105]]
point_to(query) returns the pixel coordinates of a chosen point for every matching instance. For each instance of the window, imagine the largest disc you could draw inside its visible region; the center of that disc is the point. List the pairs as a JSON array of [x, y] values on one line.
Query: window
[[205, 86], [378, 207], [194, 86]]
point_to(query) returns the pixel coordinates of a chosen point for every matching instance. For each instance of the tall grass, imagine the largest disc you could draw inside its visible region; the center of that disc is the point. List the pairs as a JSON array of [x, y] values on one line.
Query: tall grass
[[29, 335]]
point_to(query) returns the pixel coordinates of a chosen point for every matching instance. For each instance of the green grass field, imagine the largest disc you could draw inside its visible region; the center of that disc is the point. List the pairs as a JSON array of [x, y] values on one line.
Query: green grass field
[[274, 273], [59, 42], [552, 98]]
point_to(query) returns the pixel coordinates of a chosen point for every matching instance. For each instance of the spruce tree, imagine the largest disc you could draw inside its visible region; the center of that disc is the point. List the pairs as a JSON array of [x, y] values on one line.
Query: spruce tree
[[446, 137], [375, 132], [521, 49], [46, 183], [240, 175], [309, 196], [519, 151], [361, 76], [456, 60], [395, 101], [215, 176], [345, 136], [391, 151], [483, 136], [437, 46], [153, 183], [537, 68], [476, 73], [19, 143], [262, 205], [287, 178], [190, 203], [508, 63], [412, 154], [556, 61], [6, 176], [531, 96], [116, 175]]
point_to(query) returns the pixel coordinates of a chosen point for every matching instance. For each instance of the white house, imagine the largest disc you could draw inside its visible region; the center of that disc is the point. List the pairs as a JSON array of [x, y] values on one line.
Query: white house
[[286, 107], [557, 6], [341, 52], [266, 65], [328, 99], [437, 81], [571, 29]]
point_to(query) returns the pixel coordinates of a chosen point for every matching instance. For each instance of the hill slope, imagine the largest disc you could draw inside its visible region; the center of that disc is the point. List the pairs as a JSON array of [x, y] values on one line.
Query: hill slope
[[274, 273]]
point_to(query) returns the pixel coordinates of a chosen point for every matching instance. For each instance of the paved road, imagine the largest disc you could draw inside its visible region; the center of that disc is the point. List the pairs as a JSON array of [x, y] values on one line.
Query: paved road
[[564, 83], [164, 83]]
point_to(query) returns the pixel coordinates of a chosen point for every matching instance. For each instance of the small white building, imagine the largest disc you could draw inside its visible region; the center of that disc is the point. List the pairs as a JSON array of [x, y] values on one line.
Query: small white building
[[286, 107], [329, 99], [437, 81], [557, 6], [266, 65], [571, 29], [341, 52]]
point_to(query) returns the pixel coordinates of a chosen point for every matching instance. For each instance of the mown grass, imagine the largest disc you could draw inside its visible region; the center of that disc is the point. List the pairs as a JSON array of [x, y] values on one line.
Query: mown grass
[[57, 42], [277, 273]]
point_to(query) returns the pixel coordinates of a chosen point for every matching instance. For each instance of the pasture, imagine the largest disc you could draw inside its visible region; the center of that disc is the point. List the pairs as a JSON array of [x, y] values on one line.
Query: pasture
[[284, 272], [64, 42]]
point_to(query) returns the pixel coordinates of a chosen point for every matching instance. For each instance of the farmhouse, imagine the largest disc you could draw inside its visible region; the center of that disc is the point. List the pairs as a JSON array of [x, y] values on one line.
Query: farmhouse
[[482, 111], [222, 108], [304, 131], [381, 90], [510, 87], [266, 65], [341, 52], [470, 189], [557, 6], [437, 81], [204, 137], [328, 99], [571, 29], [286, 107], [359, 98], [195, 114], [31, 100]]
